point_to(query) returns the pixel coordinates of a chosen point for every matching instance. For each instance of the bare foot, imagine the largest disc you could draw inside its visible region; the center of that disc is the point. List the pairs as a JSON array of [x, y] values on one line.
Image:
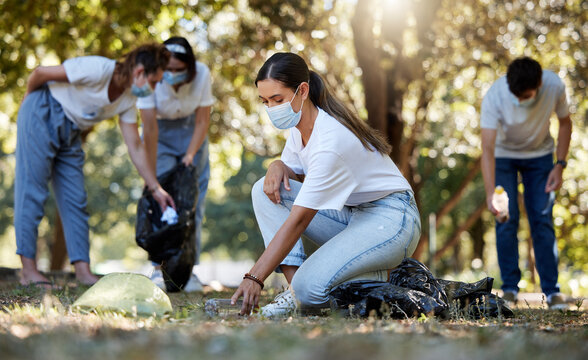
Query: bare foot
[[83, 273], [30, 275]]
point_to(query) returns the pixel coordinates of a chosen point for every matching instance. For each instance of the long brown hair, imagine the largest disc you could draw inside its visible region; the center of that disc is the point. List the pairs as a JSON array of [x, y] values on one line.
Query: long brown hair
[[152, 56], [291, 70]]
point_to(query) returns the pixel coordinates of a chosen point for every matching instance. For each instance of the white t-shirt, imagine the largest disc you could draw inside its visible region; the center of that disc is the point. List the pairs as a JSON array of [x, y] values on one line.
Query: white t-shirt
[[173, 105], [84, 98], [523, 132], [338, 169]]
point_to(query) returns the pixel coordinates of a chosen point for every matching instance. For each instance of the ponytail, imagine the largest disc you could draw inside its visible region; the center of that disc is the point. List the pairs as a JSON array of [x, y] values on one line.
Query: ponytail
[[321, 97], [152, 56], [291, 70]]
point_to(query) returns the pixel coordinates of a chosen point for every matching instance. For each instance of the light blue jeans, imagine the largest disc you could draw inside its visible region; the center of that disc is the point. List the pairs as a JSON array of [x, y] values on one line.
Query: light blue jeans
[[173, 140], [357, 243]]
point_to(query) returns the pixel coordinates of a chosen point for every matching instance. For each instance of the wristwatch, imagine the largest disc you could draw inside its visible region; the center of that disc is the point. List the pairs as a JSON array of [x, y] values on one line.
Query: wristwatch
[[563, 163]]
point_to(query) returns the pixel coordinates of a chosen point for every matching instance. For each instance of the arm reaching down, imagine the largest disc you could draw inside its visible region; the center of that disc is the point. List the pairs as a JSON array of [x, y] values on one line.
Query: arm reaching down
[[138, 156]]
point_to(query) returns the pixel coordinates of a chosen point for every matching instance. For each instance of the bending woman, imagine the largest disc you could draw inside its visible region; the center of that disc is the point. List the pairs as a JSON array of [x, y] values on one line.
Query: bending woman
[[60, 102], [176, 118], [335, 183]]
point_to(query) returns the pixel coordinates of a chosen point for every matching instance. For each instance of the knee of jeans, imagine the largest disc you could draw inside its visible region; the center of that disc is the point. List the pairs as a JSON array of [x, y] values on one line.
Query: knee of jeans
[[257, 191], [308, 292]]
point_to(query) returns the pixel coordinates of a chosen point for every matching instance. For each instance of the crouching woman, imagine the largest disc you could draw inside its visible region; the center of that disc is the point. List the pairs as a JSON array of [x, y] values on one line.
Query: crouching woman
[[335, 184]]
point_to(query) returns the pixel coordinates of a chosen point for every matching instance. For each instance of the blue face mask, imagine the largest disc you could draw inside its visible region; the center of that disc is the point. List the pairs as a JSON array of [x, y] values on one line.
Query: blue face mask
[[283, 116], [142, 91], [175, 78]]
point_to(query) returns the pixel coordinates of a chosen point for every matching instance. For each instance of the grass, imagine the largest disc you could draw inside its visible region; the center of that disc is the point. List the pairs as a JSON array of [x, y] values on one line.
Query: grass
[[39, 325]]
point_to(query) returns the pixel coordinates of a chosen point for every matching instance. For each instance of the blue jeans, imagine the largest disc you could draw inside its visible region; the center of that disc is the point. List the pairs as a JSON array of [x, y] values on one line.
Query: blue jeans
[[173, 140], [357, 243], [49, 149], [534, 173]]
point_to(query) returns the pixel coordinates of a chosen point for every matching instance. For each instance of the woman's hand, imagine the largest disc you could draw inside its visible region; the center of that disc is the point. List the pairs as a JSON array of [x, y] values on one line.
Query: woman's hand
[[187, 160], [163, 198], [277, 173], [250, 290]]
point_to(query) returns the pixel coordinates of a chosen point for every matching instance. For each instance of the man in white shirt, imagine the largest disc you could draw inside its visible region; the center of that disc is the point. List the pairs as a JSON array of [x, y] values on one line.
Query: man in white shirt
[[515, 121]]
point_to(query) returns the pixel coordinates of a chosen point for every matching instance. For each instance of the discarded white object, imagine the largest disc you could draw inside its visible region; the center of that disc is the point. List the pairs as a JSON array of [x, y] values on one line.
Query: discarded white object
[[500, 203], [170, 216]]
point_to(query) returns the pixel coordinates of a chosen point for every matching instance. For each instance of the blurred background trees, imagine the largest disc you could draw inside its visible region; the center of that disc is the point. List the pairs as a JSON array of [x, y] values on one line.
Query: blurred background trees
[[415, 70]]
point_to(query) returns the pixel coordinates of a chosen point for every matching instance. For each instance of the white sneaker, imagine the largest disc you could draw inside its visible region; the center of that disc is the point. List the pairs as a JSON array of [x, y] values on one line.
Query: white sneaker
[[193, 285], [283, 305], [157, 279]]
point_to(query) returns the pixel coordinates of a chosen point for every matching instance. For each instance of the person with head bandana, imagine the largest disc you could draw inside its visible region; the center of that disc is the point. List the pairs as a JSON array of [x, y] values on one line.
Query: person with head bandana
[[176, 119]]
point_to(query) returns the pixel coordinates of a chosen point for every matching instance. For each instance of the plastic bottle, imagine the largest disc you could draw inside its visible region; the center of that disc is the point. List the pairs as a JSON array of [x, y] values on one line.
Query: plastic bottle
[[500, 203], [222, 307]]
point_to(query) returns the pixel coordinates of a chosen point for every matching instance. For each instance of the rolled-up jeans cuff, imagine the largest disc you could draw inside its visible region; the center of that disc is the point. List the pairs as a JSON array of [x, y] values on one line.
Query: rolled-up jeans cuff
[[292, 260]]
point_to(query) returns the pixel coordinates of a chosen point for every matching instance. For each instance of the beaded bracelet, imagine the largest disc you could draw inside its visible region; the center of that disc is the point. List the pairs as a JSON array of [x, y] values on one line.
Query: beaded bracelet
[[254, 278]]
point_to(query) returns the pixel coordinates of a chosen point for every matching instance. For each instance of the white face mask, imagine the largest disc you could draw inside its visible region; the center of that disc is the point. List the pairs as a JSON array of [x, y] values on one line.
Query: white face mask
[[527, 102], [283, 116]]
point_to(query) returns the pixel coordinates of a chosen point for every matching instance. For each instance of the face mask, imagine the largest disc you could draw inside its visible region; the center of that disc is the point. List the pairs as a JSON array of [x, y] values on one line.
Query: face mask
[[527, 102], [523, 103], [142, 91], [175, 78], [283, 116]]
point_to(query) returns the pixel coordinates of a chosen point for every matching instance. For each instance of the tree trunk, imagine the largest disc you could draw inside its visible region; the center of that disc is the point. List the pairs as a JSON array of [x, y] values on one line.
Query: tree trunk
[[58, 250], [477, 232], [368, 59]]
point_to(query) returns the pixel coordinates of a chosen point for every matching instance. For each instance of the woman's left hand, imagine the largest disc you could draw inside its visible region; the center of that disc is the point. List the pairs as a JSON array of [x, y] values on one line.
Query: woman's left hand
[[187, 160], [250, 290]]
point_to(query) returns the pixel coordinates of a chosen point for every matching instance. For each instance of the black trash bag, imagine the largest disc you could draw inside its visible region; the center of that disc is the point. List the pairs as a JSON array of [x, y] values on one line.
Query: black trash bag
[[382, 299], [476, 299], [353, 293], [413, 290], [413, 274], [173, 246]]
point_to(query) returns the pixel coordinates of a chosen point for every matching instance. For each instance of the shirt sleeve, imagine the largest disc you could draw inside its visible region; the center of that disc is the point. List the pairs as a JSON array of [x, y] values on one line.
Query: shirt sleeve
[[129, 116], [86, 70], [561, 106], [147, 102], [490, 115], [207, 99], [328, 183]]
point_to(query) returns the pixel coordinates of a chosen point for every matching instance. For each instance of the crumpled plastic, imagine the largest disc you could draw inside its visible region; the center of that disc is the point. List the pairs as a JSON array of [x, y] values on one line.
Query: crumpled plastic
[[412, 290], [169, 216], [171, 245], [131, 294]]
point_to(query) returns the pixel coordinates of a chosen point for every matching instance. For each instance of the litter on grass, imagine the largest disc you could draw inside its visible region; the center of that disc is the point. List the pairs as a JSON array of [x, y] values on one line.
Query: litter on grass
[[412, 290], [128, 293]]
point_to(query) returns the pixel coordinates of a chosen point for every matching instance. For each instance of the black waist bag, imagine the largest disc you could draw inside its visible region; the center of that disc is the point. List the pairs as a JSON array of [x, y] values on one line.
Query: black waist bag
[[173, 246]]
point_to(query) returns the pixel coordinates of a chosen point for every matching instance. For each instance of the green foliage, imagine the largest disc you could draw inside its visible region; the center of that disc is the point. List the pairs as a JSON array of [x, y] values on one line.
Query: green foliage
[[440, 65], [230, 221]]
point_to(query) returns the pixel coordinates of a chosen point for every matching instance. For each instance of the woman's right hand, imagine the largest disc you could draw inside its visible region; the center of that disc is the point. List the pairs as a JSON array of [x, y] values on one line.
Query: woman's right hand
[[277, 173], [163, 198]]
